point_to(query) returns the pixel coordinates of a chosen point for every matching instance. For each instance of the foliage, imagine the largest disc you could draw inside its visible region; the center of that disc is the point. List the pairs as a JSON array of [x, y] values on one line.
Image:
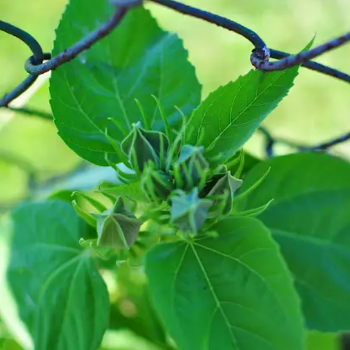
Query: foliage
[[173, 245]]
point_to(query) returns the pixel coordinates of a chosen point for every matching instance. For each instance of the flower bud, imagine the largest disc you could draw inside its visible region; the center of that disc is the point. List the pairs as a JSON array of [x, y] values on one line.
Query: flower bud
[[192, 167], [156, 184], [224, 187], [117, 227], [142, 146], [188, 211]]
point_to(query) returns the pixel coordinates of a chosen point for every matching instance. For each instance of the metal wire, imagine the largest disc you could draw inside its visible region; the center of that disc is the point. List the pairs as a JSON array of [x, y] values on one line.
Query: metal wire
[[38, 57], [260, 56]]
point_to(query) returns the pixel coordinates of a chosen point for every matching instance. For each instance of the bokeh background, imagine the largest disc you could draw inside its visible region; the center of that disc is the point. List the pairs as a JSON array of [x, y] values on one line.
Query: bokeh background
[[33, 159]]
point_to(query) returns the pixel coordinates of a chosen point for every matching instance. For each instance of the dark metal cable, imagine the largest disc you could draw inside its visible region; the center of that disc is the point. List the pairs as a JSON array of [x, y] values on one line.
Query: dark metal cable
[[262, 53], [38, 57], [260, 56], [223, 22], [259, 59], [82, 45], [31, 112], [318, 67], [25, 37], [34, 64], [18, 90], [328, 144], [271, 141], [21, 88]]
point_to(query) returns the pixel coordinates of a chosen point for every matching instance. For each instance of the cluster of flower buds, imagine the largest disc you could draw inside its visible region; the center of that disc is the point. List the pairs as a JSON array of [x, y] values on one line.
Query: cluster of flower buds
[[191, 169], [190, 211], [180, 175], [177, 174]]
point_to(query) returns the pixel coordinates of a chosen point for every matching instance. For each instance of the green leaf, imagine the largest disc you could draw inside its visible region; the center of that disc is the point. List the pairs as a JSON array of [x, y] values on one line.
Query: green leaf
[[233, 292], [135, 61], [92, 201], [310, 219], [249, 162], [229, 116], [310, 44], [9, 317], [61, 296], [9, 344], [322, 341], [132, 190]]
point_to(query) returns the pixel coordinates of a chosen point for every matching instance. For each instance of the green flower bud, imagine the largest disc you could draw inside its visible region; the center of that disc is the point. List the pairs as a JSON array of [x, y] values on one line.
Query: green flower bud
[[79, 204], [224, 187], [156, 184], [188, 211], [117, 227], [192, 168], [142, 146]]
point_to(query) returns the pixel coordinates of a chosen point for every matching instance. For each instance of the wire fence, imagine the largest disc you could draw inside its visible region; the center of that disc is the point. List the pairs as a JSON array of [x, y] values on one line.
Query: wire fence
[[41, 62]]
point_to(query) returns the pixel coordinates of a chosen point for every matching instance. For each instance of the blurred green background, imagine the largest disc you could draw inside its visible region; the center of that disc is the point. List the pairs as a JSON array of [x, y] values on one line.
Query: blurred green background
[[317, 108]]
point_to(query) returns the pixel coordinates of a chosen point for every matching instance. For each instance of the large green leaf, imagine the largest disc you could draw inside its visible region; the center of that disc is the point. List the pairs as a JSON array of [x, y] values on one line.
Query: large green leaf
[[131, 190], [231, 292], [136, 60], [8, 310], [310, 219], [9, 344], [230, 115], [61, 296], [322, 341]]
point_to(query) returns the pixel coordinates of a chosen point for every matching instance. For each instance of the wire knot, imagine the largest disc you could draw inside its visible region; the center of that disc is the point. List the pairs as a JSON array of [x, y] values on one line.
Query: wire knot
[[259, 56]]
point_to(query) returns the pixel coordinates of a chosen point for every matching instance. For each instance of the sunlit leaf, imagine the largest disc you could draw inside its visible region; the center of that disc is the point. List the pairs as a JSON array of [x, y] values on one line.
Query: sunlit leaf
[[229, 116], [310, 219], [61, 296], [233, 292], [135, 61]]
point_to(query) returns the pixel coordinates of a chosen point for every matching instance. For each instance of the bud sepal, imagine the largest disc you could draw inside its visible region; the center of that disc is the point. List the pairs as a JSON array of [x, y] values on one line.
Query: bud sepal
[[117, 227], [188, 211], [156, 184], [191, 169], [143, 146], [222, 190]]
